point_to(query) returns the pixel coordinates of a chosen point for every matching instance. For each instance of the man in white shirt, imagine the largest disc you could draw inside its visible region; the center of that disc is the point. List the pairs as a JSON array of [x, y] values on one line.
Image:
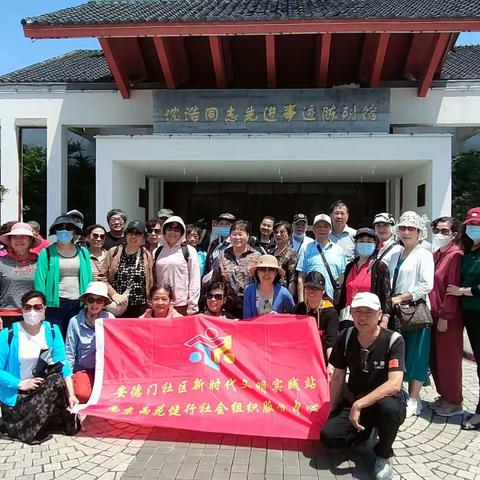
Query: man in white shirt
[[342, 234]]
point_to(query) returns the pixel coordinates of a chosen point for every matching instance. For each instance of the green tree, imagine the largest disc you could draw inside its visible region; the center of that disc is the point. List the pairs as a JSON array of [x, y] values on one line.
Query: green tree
[[3, 191], [81, 191], [34, 162], [465, 183]]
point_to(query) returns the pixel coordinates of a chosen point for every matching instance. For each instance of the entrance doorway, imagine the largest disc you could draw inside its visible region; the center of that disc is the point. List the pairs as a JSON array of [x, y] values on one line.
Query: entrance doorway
[[252, 200]]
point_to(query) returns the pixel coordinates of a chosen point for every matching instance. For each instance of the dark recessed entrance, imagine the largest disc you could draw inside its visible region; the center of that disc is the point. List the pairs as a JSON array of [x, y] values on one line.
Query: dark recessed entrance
[[251, 201]]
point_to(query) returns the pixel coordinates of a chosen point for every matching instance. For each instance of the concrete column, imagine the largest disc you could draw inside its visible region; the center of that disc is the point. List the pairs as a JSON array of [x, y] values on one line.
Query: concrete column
[[103, 183], [441, 191], [10, 164], [56, 170]]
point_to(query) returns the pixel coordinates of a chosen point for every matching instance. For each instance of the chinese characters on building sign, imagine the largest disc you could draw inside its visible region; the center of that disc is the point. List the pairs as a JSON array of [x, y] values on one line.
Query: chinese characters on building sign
[[273, 113], [289, 111]]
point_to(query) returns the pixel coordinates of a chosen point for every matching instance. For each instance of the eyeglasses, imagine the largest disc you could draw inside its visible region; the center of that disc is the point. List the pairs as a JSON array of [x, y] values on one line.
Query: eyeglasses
[[135, 234], [404, 228], [97, 236], [97, 300], [216, 296], [443, 231], [266, 269], [156, 231], [39, 307], [364, 354], [175, 228]]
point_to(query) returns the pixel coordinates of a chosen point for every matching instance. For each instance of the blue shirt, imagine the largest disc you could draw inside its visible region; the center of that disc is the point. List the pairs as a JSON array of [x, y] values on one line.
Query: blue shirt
[[310, 260], [346, 241], [80, 344]]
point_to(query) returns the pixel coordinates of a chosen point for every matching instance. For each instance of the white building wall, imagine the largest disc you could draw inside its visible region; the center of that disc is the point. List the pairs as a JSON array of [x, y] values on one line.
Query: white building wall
[[126, 182], [59, 110]]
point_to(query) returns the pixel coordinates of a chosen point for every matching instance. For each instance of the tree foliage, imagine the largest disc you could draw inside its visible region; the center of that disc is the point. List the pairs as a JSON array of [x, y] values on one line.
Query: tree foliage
[[34, 161], [465, 183]]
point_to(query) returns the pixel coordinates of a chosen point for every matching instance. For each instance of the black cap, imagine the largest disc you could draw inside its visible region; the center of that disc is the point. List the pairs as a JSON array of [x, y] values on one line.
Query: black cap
[[366, 231], [64, 220], [315, 280], [300, 217], [136, 225]]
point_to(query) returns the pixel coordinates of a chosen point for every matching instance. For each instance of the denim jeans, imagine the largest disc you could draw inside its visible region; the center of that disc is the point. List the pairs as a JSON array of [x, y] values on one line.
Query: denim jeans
[[62, 314]]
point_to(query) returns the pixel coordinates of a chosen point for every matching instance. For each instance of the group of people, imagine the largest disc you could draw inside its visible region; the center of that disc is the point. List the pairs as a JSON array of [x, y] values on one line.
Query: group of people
[[389, 305]]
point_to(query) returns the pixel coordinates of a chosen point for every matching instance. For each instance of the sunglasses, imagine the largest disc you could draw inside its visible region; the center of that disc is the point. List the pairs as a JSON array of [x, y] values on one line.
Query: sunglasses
[[364, 354], [156, 231], [403, 228], [443, 231], [216, 296], [38, 307], [175, 228], [135, 234], [97, 300], [97, 236], [266, 269]]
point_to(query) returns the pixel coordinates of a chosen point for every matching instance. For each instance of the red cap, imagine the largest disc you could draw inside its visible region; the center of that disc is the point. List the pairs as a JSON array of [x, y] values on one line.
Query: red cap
[[473, 215]]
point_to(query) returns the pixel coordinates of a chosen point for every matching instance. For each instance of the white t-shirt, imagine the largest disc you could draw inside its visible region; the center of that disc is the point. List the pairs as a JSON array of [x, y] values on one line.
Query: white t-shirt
[[29, 347]]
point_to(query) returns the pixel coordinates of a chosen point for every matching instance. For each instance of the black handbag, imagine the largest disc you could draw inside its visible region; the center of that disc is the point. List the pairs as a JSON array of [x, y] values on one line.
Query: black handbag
[[411, 315], [45, 365]]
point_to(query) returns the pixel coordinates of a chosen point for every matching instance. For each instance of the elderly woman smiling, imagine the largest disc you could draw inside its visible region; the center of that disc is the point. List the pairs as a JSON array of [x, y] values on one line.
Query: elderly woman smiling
[[16, 271]]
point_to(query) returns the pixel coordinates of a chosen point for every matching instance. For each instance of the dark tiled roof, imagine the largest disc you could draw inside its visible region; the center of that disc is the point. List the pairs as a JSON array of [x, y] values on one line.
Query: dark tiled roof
[[79, 66], [151, 11], [462, 63]]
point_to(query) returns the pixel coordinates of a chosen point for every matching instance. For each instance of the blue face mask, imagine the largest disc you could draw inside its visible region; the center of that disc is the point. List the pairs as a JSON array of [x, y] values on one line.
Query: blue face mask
[[473, 231], [365, 249], [64, 236], [220, 232]]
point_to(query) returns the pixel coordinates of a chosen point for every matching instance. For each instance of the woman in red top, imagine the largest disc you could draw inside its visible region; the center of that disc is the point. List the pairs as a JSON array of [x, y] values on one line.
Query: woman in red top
[[447, 333], [364, 274]]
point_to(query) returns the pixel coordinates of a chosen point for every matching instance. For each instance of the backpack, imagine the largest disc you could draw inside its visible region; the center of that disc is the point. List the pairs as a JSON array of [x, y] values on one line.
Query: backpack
[[185, 251], [394, 337]]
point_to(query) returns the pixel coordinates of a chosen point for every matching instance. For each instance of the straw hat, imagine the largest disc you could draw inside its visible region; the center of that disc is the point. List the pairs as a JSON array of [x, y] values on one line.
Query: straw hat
[[20, 228], [96, 288], [267, 261]]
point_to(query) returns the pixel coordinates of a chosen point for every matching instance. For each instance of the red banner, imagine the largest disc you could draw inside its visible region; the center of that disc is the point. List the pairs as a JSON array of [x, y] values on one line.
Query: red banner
[[262, 377]]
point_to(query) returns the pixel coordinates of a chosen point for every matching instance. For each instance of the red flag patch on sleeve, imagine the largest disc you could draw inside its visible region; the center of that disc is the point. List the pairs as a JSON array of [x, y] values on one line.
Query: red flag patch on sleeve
[[393, 363]]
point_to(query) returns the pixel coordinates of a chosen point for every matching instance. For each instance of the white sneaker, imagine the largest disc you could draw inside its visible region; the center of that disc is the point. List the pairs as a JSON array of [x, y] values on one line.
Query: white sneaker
[[414, 407], [383, 469]]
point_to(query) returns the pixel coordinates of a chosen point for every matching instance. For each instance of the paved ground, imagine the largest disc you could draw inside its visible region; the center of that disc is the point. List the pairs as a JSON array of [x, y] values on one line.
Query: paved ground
[[428, 447]]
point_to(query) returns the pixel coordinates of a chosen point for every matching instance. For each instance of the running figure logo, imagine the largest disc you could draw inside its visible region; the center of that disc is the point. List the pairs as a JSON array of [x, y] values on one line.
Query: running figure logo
[[211, 347]]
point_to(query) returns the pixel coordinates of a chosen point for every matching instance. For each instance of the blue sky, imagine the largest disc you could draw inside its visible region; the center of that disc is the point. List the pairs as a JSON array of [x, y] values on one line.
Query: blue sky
[[19, 52]]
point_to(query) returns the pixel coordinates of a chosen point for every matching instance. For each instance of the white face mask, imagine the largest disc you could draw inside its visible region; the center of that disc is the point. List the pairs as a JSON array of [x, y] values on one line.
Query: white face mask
[[440, 241], [33, 318]]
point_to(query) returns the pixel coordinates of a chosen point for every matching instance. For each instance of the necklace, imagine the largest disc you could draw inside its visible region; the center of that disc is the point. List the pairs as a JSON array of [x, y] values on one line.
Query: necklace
[[67, 256]]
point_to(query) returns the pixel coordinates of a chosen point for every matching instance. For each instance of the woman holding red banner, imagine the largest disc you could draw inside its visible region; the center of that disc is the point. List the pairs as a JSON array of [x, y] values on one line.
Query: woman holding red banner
[[80, 344], [319, 307], [267, 295]]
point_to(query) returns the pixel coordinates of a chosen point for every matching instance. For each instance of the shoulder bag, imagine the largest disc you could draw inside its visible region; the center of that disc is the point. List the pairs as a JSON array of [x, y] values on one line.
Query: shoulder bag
[[410, 315]]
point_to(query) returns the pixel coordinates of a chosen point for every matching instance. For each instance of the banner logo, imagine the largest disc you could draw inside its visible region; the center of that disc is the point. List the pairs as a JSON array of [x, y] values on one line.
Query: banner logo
[[211, 348]]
